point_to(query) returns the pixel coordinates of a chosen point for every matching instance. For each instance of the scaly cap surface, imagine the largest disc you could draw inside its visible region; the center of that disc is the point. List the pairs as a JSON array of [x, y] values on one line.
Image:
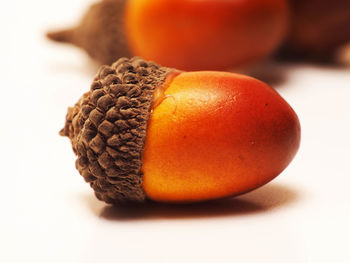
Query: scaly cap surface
[[107, 128]]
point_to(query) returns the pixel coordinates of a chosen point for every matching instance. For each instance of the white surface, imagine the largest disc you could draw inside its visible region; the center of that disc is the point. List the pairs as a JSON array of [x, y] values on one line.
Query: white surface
[[50, 215]]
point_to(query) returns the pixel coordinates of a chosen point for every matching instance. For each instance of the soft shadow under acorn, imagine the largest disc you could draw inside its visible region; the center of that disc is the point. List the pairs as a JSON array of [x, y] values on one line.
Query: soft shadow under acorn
[[267, 198]]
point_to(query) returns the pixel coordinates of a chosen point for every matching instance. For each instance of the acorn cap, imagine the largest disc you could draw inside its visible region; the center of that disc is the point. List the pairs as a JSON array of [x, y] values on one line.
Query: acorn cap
[[100, 32], [107, 128]]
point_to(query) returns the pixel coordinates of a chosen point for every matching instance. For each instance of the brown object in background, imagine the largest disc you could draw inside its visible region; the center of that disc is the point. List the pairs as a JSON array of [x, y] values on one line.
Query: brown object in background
[[100, 32], [183, 34], [318, 29]]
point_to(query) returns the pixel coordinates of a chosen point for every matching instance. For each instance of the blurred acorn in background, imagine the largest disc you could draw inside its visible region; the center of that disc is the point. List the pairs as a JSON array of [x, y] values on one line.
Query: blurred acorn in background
[[185, 34], [320, 30]]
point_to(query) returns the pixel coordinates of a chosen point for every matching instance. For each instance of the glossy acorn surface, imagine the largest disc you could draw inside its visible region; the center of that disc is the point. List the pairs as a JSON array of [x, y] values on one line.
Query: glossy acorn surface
[[216, 134]]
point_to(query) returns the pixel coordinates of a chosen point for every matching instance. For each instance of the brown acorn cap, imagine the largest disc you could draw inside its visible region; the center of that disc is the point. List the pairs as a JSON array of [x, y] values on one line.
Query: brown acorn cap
[[107, 128], [100, 32]]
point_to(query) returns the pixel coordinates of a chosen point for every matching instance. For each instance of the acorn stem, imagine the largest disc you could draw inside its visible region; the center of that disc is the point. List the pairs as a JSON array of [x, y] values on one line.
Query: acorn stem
[[66, 36]]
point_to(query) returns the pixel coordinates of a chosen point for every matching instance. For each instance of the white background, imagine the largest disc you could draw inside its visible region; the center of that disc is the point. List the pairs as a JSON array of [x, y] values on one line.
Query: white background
[[48, 214]]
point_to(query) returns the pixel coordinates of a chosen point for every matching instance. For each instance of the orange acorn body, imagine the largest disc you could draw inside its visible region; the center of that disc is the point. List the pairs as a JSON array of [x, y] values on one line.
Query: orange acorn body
[[197, 35], [184, 34], [195, 136], [216, 135]]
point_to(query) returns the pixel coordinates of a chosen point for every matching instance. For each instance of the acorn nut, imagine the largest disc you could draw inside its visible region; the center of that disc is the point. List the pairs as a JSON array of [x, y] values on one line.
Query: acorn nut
[[144, 131], [184, 34]]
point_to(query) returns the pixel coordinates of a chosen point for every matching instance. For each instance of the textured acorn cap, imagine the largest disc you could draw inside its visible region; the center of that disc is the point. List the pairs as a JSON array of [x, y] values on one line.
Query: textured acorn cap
[[100, 32], [107, 128]]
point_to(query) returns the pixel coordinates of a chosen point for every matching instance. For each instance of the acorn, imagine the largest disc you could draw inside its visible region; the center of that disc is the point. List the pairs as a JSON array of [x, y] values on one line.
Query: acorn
[[184, 34], [319, 28], [147, 132]]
